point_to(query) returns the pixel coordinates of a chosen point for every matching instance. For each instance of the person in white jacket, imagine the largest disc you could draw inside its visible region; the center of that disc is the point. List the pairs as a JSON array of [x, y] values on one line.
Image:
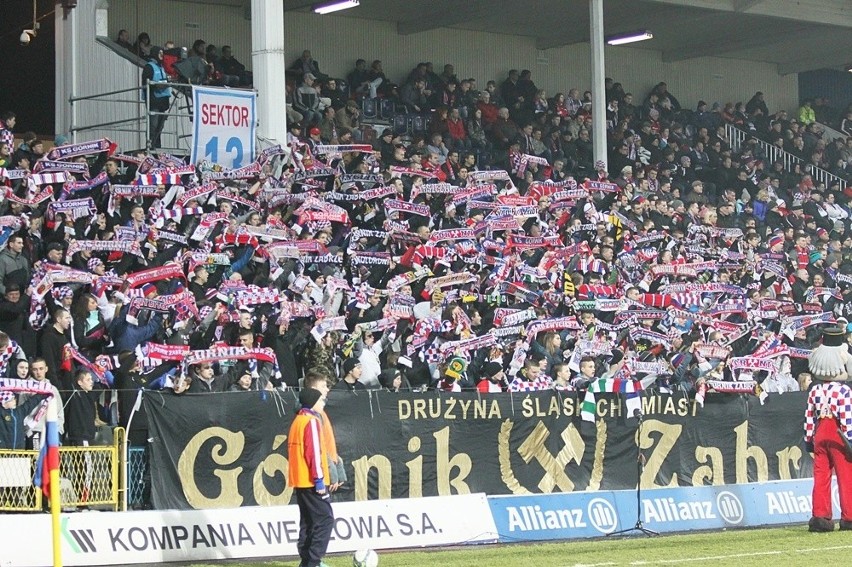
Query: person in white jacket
[[371, 367]]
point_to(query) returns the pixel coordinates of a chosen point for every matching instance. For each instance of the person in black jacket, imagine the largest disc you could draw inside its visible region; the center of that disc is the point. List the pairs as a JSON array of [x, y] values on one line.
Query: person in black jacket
[[12, 414], [80, 412], [14, 318], [51, 346], [205, 381]]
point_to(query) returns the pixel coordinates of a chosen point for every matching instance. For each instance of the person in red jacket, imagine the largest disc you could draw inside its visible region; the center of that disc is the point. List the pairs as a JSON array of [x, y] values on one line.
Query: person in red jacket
[[457, 131], [308, 473]]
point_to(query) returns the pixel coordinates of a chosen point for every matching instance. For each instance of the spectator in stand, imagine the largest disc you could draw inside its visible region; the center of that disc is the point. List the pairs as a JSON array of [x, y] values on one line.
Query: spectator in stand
[[477, 131], [30, 149], [358, 80], [123, 40], [52, 348], [351, 377], [806, 114], [36, 420], [12, 416], [846, 125], [81, 420], [204, 379], [5, 156], [306, 100], [143, 46], [376, 77], [349, 118], [328, 126], [414, 97], [7, 124], [14, 266], [331, 92], [456, 131], [14, 317], [306, 65], [228, 65]]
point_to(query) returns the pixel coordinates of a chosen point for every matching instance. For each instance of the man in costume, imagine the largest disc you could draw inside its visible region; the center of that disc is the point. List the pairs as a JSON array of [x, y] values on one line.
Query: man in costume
[[828, 429]]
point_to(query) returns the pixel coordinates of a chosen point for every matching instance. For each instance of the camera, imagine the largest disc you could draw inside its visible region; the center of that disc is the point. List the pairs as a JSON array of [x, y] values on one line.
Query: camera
[[27, 36]]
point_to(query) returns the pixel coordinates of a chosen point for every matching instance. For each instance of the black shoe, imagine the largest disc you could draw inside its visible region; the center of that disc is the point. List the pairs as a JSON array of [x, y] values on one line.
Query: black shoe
[[821, 525], [845, 525]]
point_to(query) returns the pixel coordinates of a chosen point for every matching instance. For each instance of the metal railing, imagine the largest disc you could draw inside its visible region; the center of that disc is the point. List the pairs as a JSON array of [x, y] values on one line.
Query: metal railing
[[177, 128], [89, 476], [773, 153], [137, 462]]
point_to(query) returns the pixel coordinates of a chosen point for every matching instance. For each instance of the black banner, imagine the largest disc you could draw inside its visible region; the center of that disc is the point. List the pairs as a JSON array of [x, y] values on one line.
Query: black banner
[[228, 450]]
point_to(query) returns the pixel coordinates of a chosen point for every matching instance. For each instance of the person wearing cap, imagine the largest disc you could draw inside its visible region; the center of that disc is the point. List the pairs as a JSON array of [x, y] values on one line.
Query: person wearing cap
[[351, 373], [308, 475], [314, 138], [493, 378], [828, 429], [306, 100]]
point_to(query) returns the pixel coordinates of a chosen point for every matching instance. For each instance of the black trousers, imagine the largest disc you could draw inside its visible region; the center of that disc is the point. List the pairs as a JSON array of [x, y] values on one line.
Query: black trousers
[[157, 121], [315, 523]]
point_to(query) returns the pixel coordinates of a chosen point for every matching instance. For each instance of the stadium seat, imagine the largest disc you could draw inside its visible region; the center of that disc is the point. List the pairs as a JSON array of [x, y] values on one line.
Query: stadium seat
[[369, 108], [387, 109], [400, 124]]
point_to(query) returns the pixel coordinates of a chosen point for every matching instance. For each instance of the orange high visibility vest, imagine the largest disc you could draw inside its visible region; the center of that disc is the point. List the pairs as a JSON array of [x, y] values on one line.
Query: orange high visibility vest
[[305, 443]]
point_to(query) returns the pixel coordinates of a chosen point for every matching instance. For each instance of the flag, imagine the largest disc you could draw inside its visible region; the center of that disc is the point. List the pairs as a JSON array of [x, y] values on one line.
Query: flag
[[618, 385], [48, 458]]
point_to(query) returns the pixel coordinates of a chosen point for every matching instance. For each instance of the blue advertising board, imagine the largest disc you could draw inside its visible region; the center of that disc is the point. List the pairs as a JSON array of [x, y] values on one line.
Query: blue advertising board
[[595, 514]]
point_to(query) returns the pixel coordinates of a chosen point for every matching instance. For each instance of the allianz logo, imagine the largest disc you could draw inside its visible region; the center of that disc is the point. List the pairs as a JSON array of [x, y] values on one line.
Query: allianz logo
[[787, 502], [599, 514], [727, 507]]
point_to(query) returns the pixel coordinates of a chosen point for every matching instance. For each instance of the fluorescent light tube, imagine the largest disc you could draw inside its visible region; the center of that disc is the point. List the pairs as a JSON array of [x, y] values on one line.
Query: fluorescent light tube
[[330, 7], [629, 37]]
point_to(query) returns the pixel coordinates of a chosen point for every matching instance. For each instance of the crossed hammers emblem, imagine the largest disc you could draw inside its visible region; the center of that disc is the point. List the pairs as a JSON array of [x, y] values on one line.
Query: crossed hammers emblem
[[534, 447]]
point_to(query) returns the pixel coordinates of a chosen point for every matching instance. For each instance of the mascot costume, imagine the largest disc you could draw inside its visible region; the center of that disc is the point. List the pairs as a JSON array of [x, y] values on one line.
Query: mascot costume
[[828, 428]]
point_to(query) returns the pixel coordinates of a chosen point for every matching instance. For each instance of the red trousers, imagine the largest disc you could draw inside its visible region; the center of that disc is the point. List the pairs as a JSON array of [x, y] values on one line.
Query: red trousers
[[830, 455]]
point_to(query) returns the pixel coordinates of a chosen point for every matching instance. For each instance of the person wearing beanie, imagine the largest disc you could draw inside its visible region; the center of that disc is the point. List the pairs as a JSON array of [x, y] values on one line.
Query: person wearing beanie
[[308, 475], [493, 378], [351, 374], [828, 429], [392, 380]]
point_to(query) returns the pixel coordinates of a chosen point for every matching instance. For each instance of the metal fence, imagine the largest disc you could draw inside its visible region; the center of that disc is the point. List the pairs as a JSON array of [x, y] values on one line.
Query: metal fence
[[89, 477], [774, 153], [137, 460]]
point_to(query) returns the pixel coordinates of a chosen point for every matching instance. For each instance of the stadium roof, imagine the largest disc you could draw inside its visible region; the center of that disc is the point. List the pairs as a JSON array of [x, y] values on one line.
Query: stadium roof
[[797, 35]]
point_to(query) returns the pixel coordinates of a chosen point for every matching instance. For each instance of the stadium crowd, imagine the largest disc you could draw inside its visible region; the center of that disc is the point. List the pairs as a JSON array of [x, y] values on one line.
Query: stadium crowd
[[483, 248]]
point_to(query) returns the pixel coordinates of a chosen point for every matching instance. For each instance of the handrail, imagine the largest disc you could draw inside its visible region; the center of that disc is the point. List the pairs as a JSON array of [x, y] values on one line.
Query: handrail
[[95, 96], [103, 124], [833, 133], [774, 153]]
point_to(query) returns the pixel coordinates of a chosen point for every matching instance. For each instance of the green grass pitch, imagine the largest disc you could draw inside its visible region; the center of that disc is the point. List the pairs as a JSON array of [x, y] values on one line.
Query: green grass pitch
[[790, 545]]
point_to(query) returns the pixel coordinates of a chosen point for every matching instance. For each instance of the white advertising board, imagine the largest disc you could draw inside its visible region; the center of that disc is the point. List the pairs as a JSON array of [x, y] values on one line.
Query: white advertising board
[[110, 538]]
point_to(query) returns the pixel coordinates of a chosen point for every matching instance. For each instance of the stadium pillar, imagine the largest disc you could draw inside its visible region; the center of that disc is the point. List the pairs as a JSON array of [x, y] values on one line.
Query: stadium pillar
[[65, 37], [268, 65], [596, 19]]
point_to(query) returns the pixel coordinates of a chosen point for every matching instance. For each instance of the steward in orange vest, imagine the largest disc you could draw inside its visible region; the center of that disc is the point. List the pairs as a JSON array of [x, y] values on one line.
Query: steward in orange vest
[[308, 475]]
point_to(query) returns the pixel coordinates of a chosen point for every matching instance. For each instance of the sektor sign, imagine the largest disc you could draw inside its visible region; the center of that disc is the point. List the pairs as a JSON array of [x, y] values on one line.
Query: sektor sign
[[224, 122]]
